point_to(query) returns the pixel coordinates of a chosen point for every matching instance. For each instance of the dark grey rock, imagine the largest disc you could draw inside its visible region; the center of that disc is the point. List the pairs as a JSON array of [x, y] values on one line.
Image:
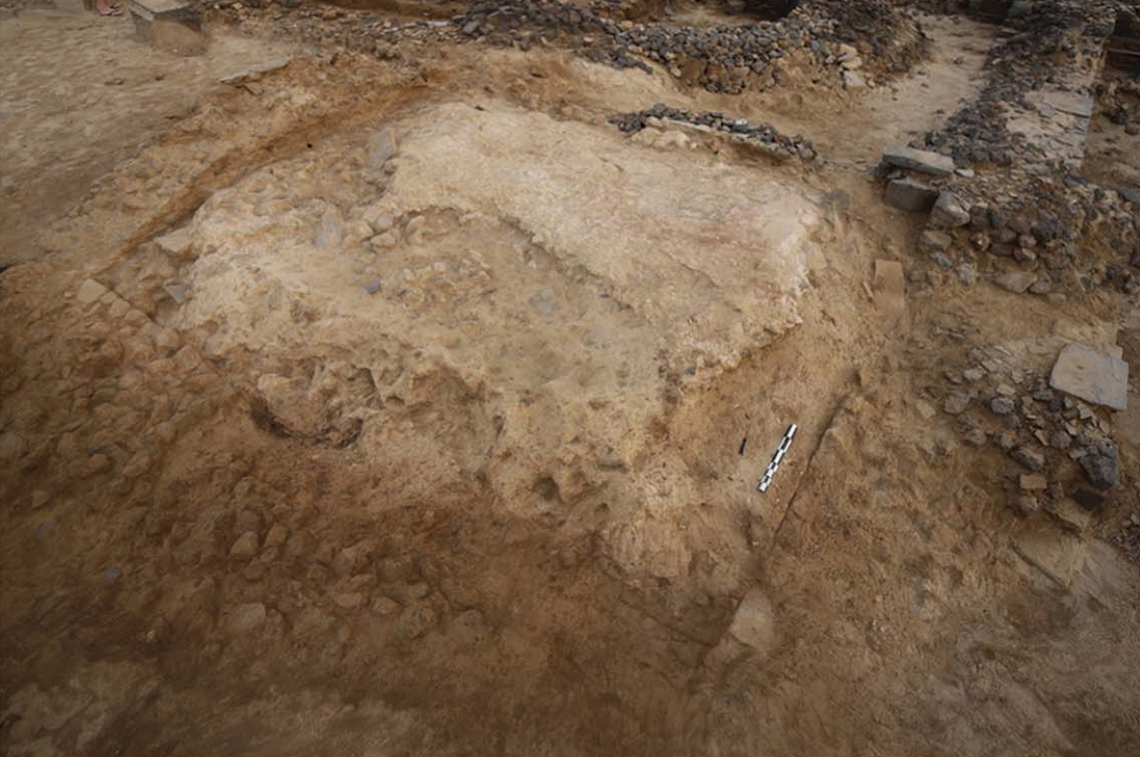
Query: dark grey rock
[[1028, 458], [910, 195], [950, 212], [1060, 440], [1101, 470], [956, 403], [1002, 405]]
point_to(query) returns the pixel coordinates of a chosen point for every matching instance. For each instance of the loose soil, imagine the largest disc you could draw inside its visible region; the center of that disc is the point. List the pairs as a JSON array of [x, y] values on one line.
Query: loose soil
[[403, 407]]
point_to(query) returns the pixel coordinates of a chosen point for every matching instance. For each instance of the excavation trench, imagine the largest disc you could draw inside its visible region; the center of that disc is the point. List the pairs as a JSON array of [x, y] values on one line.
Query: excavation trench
[[475, 417], [435, 419]]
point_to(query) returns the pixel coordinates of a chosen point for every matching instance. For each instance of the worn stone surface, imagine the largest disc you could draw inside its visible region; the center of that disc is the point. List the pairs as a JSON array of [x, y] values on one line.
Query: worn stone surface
[[910, 195], [1102, 467], [919, 160], [1092, 376], [754, 623], [1028, 458], [1017, 282], [246, 618], [950, 212]]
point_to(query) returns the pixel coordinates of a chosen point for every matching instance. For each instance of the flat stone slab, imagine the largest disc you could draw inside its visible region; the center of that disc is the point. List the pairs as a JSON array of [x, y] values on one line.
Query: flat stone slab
[[1096, 378], [919, 160], [165, 10], [257, 70]]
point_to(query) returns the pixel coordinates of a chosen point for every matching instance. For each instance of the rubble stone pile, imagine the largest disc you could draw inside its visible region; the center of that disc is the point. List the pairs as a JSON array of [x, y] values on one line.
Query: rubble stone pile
[[718, 122], [1047, 38], [721, 59]]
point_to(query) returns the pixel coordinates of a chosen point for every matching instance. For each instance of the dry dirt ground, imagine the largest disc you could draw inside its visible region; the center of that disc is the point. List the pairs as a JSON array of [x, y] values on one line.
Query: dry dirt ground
[[403, 407]]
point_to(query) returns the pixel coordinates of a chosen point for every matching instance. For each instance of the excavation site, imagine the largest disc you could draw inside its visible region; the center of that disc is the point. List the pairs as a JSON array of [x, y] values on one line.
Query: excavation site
[[566, 378]]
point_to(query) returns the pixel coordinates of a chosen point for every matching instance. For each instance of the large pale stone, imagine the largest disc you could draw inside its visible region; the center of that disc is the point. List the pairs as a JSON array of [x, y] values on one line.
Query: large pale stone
[[1096, 378], [754, 624]]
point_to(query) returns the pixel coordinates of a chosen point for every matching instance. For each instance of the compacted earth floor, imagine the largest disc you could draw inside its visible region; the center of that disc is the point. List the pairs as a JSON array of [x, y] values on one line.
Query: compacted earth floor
[[365, 406]]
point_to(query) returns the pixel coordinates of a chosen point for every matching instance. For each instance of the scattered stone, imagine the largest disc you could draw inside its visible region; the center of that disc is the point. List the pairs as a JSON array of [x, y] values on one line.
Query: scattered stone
[[246, 545], [277, 535], [378, 220], [385, 606], [349, 600], [1071, 517], [1002, 405], [910, 195], [950, 212], [384, 241], [1025, 505], [256, 71], [918, 160], [1033, 482], [245, 618], [1101, 468], [939, 259], [330, 230], [175, 243], [382, 146], [754, 623], [1015, 281], [1060, 440], [1028, 458], [973, 374], [89, 291], [974, 436], [373, 286], [1100, 379], [177, 291], [1088, 499], [967, 274], [931, 242], [956, 403]]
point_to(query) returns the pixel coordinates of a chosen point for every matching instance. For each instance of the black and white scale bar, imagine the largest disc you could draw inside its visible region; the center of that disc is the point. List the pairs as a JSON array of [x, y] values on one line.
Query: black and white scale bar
[[766, 479]]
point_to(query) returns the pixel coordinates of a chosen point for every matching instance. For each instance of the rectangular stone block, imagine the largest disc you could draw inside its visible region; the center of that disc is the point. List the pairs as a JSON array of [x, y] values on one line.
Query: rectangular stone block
[[911, 195], [168, 25], [918, 160]]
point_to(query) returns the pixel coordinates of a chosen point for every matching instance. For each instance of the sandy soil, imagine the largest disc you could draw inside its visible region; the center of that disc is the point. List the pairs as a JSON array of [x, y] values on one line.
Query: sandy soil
[[377, 408], [67, 124]]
